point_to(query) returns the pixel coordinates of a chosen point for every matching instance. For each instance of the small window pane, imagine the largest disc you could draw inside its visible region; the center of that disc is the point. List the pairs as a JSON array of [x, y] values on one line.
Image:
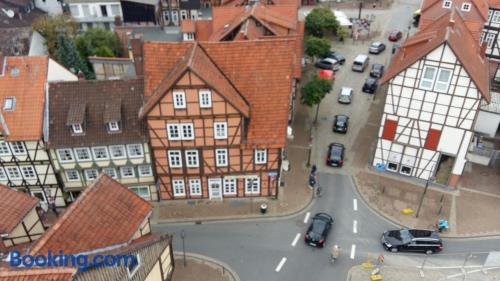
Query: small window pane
[[195, 187], [145, 170], [117, 152], [179, 99], [100, 153], [72, 175], [178, 187], [127, 172], [110, 172], [82, 154], [65, 155], [28, 173], [91, 174], [174, 158], [220, 130], [134, 150], [221, 157]]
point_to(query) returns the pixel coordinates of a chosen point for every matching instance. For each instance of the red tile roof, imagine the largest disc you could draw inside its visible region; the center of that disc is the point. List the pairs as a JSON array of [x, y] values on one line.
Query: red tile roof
[[449, 28], [495, 4], [105, 214], [46, 274], [24, 79], [14, 206], [260, 70]]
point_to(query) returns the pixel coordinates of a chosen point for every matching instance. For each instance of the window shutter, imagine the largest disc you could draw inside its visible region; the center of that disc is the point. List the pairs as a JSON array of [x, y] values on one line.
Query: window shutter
[[390, 127], [432, 140]]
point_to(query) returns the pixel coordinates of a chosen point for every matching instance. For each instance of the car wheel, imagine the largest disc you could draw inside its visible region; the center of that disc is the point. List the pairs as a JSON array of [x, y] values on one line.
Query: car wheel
[[394, 250], [428, 252]]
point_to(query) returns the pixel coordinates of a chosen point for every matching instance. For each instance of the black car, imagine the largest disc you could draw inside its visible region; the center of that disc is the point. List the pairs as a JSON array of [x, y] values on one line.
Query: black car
[[335, 156], [370, 85], [340, 123], [377, 70], [376, 48], [337, 56], [318, 230], [412, 240]]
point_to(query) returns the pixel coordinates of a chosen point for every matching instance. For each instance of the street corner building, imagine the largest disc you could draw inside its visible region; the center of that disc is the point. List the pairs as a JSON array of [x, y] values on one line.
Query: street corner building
[[106, 219], [217, 116], [93, 128], [438, 84], [24, 162]]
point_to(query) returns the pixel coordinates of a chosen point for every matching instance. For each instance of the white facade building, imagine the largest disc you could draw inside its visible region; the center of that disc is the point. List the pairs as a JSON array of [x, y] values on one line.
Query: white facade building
[[52, 7], [95, 14]]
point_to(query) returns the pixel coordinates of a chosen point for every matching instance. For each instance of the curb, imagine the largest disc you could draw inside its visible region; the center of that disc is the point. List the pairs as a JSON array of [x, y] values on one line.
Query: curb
[[260, 217], [212, 260], [397, 223]]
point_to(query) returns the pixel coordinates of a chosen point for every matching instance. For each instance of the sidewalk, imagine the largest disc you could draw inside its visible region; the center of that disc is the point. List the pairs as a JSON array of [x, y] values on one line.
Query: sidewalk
[[293, 197], [392, 273], [197, 266]]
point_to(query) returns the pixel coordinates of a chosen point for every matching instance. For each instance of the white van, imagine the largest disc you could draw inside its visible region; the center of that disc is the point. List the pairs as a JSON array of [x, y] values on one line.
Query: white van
[[360, 63]]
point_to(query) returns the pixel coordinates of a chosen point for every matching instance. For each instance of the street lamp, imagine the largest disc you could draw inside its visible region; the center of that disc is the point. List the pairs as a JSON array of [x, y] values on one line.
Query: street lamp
[[183, 235], [431, 177]]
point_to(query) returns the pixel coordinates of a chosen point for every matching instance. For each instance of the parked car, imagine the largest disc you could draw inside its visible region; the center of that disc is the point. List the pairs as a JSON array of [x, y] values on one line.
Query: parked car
[[395, 35], [376, 48], [318, 230], [377, 70], [335, 156], [360, 62], [370, 85], [412, 240], [328, 63], [336, 56], [345, 95], [340, 123]]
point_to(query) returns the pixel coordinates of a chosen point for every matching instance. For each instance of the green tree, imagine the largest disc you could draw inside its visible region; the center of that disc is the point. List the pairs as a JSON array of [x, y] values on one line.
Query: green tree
[[314, 91], [51, 26], [68, 56], [321, 20], [317, 47], [98, 42]]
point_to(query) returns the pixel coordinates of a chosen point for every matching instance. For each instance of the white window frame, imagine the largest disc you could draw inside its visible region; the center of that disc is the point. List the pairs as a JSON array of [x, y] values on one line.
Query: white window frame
[[183, 131], [495, 17], [113, 174], [220, 130], [192, 157], [490, 39], [174, 158], [77, 128], [132, 153], [195, 187], [260, 156], [466, 7], [490, 16], [174, 132], [443, 83], [43, 199], [100, 147], [119, 148], [149, 171], [113, 126], [78, 8], [18, 148], [422, 79], [134, 271], [447, 4], [87, 173], [222, 152], [3, 175], [179, 99], [178, 185], [228, 184], [16, 169], [9, 103], [204, 96], [252, 187], [86, 149], [69, 151], [145, 187], [4, 148], [25, 173], [130, 168], [68, 178]]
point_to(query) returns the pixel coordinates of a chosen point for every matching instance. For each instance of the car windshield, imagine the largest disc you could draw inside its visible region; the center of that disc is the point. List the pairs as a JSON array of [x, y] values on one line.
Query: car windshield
[[336, 152], [341, 119], [318, 226], [370, 81], [376, 44], [377, 67], [405, 236]]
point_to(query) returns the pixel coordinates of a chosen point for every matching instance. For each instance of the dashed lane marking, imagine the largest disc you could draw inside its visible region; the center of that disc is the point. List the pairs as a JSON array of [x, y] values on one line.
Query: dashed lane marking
[[355, 204], [354, 226], [307, 217], [280, 265], [296, 240], [353, 251]]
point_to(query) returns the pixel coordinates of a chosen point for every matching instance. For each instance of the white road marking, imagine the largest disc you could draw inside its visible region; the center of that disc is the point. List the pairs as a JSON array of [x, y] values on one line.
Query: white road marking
[[355, 226], [296, 240], [355, 204], [280, 265], [353, 251], [307, 217]]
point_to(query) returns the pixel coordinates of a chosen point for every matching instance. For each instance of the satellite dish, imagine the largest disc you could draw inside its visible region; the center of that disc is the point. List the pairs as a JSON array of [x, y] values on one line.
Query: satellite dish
[[9, 13]]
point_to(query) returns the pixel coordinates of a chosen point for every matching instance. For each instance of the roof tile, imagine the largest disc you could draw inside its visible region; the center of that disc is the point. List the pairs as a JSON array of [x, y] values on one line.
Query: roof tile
[[14, 206]]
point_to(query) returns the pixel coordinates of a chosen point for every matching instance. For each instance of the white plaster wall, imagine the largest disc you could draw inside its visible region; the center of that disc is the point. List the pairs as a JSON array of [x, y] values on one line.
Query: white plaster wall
[[57, 72], [52, 7], [487, 123], [37, 45]]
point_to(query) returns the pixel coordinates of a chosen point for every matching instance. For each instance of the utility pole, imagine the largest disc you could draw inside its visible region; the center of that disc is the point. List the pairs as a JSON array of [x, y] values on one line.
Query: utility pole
[[360, 7], [183, 235]]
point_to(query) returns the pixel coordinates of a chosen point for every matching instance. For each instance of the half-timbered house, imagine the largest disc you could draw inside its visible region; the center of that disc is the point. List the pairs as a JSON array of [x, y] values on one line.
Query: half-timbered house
[[436, 82], [491, 30], [93, 128], [217, 116], [20, 221], [24, 162]]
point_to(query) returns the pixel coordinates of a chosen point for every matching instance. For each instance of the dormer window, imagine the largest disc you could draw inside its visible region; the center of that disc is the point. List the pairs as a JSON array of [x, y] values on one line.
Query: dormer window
[[113, 127], [447, 4], [466, 7], [9, 103], [77, 128]]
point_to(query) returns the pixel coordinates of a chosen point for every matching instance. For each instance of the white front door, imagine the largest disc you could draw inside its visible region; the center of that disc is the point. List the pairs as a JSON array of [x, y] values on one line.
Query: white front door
[[215, 188]]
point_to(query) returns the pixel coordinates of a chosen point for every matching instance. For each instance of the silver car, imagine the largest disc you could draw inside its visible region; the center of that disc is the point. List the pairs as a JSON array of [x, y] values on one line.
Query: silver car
[[345, 95]]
